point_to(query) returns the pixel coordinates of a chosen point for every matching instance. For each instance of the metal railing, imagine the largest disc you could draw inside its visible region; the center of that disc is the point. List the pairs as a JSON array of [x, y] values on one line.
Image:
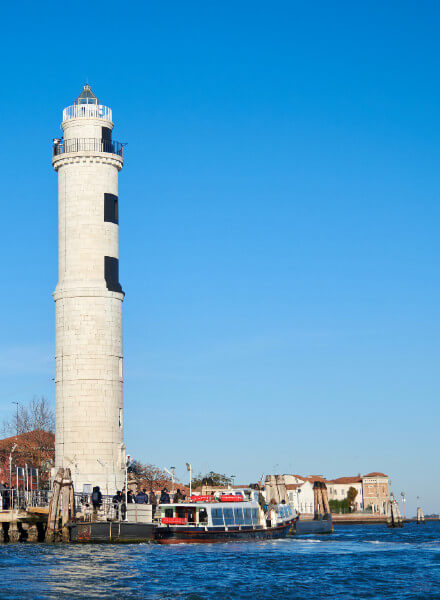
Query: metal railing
[[109, 510], [87, 111], [12, 499], [87, 145]]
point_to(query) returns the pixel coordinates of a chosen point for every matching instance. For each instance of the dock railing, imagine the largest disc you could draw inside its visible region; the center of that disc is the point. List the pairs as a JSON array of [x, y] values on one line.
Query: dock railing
[[109, 510], [12, 499]]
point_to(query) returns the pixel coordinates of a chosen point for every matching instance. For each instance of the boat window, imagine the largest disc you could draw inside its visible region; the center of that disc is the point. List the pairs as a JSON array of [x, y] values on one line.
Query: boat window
[[255, 517], [203, 515], [229, 516], [238, 514], [191, 515], [247, 516], [217, 516], [169, 513]]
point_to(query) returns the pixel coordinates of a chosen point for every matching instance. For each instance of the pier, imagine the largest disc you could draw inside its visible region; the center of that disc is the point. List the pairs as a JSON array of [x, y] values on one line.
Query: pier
[[24, 517]]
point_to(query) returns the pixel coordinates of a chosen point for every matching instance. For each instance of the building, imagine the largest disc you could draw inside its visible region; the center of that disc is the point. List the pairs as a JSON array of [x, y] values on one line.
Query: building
[[301, 496], [88, 299], [34, 449], [338, 489], [375, 492], [372, 491]]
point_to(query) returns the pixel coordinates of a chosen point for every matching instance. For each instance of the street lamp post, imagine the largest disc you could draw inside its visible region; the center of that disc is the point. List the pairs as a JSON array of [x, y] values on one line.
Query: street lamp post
[[16, 417], [403, 501], [171, 471], [232, 477], [189, 468], [10, 465]]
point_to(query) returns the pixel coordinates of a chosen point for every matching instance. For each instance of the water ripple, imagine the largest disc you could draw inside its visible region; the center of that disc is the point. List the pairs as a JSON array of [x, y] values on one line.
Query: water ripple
[[356, 562]]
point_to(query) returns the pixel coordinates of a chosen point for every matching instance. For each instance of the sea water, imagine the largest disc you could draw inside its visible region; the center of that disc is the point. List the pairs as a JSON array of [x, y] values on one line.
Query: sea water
[[369, 561]]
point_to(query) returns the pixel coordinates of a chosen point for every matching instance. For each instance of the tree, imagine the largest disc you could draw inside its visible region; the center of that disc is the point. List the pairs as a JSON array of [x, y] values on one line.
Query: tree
[[35, 424], [148, 475], [211, 478], [351, 495], [37, 415]]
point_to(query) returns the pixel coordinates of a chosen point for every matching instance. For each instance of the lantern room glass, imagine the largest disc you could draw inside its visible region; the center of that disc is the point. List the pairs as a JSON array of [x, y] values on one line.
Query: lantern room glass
[[86, 96]]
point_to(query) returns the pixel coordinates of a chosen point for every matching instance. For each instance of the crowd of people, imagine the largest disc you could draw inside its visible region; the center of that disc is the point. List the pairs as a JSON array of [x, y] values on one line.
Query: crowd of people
[[141, 497]]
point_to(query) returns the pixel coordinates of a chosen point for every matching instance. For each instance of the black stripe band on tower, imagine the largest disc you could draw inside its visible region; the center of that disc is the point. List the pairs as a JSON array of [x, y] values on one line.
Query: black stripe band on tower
[[111, 214], [111, 274]]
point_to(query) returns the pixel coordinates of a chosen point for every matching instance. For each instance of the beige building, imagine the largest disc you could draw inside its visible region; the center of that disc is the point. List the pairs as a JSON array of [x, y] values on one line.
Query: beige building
[[375, 492]]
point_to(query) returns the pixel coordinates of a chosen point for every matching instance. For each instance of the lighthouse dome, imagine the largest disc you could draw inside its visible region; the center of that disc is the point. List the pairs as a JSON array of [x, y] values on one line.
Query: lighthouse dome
[[87, 96]]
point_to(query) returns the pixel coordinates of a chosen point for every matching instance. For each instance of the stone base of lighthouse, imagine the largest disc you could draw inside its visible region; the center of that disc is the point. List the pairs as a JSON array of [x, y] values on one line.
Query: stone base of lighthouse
[[88, 380]]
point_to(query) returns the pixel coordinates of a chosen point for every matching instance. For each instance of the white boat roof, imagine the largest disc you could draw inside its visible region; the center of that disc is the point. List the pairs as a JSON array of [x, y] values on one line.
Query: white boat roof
[[248, 503]]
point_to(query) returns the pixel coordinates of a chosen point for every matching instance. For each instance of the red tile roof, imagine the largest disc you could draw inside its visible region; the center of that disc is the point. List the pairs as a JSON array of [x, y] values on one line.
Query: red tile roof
[[313, 478], [375, 474], [32, 439], [346, 480], [293, 486]]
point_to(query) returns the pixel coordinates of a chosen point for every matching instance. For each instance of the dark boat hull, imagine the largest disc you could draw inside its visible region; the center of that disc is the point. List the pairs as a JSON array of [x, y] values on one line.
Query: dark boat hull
[[317, 526], [200, 535], [113, 533]]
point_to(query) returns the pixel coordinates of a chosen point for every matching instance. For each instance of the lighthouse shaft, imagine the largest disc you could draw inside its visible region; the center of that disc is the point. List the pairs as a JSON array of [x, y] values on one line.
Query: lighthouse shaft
[[88, 299]]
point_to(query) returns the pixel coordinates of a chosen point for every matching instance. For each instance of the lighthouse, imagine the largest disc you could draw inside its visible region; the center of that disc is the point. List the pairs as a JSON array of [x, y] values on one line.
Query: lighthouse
[[88, 299]]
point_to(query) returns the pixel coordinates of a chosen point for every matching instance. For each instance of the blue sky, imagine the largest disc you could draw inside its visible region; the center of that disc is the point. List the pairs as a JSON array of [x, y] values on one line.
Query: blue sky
[[279, 211]]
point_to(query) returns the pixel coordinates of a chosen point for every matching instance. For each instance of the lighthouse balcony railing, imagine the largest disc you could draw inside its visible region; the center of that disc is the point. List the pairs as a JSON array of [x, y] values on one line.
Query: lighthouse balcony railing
[[87, 111], [87, 145]]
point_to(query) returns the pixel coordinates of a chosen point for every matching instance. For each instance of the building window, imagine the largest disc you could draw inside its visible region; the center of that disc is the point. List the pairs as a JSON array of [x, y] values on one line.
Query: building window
[[120, 418], [111, 209], [120, 368], [111, 274]]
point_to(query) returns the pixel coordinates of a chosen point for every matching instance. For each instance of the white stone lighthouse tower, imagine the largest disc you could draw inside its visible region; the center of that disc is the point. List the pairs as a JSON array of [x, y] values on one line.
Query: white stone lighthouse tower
[[88, 299]]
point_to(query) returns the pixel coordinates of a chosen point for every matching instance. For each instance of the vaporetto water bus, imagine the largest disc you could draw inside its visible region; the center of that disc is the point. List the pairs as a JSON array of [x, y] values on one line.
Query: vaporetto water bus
[[228, 516]]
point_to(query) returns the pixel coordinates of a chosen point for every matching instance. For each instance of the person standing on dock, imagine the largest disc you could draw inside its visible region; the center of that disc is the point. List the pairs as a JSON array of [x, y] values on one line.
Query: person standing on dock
[[179, 497], [96, 499], [164, 497], [153, 501], [141, 497], [117, 499]]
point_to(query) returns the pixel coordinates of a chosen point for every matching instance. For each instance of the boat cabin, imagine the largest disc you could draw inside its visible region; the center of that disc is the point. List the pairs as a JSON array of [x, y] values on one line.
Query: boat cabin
[[216, 514]]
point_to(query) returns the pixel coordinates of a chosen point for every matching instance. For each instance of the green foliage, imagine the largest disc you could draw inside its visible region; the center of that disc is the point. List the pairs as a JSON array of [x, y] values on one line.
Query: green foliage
[[211, 478], [351, 495], [339, 506]]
